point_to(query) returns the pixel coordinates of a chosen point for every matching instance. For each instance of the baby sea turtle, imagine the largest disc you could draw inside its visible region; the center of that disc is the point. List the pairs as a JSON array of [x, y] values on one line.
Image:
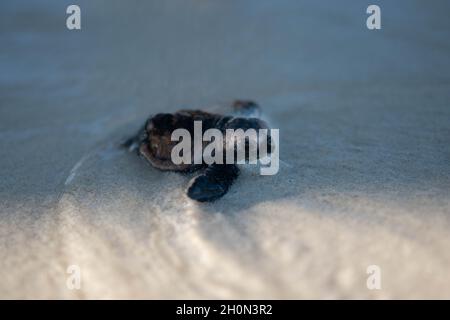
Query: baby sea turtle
[[153, 143]]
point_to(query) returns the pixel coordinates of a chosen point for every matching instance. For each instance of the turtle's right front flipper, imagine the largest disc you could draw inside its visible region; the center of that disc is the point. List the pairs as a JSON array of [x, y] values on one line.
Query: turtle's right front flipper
[[213, 183]]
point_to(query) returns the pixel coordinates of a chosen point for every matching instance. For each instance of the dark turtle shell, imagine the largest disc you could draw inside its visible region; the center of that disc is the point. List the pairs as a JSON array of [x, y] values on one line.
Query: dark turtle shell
[[155, 145]]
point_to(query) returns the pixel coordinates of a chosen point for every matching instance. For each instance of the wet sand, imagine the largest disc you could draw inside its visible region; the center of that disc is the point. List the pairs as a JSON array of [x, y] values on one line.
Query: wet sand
[[364, 128]]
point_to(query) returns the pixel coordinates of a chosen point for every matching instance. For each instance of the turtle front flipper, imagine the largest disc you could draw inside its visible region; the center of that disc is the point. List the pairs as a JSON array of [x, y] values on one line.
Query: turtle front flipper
[[246, 108], [213, 183]]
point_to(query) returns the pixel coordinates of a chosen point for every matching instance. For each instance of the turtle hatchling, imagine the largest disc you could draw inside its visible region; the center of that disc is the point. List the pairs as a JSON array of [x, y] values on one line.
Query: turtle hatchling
[[154, 144]]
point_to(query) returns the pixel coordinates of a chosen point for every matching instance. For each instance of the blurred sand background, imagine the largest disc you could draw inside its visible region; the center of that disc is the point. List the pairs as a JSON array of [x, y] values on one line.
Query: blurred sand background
[[364, 121]]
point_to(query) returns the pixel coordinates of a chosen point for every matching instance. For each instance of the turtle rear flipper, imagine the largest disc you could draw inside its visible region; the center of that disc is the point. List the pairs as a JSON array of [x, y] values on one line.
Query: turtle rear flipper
[[133, 142]]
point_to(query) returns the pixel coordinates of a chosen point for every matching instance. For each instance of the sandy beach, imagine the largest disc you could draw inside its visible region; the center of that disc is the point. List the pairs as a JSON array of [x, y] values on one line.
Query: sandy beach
[[364, 120]]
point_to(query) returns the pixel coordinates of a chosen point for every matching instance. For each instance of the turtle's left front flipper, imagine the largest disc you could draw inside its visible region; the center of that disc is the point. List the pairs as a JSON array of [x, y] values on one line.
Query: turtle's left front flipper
[[246, 109], [213, 183]]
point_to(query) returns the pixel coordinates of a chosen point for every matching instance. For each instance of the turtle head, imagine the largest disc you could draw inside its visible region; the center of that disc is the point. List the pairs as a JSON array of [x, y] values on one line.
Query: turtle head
[[249, 134]]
